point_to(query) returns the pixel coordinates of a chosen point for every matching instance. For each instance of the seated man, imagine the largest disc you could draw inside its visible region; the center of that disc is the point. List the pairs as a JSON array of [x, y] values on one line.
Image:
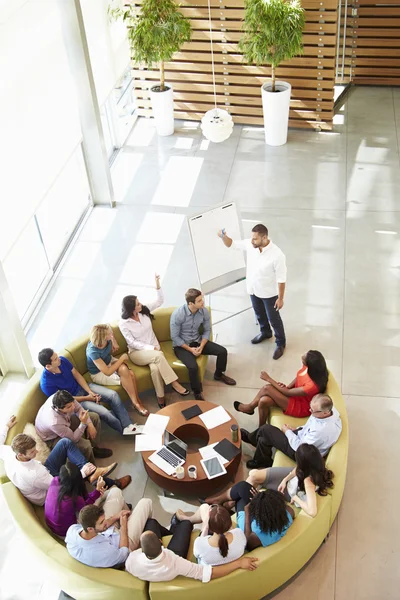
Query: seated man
[[153, 562], [33, 478], [63, 417], [188, 343], [95, 541], [322, 430], [60, 374]]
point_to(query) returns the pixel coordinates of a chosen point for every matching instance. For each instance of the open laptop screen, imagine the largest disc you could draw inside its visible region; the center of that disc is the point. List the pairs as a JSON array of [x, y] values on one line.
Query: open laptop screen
[[175, 444]]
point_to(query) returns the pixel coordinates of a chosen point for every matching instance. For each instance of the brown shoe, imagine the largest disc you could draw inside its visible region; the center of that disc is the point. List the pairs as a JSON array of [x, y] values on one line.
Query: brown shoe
[[102, 452], [225, 379], [123, 482], [101, 471]]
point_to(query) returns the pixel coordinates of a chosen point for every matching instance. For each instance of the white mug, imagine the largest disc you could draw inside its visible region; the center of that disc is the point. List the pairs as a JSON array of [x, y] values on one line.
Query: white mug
[[180, 472], [192, 471]]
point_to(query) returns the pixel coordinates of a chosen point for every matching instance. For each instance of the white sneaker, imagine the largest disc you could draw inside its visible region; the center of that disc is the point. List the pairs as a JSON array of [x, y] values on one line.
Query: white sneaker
[[132, 429]]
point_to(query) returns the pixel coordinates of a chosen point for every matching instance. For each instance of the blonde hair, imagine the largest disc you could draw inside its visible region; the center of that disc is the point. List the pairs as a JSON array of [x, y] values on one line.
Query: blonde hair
[[99, 334]]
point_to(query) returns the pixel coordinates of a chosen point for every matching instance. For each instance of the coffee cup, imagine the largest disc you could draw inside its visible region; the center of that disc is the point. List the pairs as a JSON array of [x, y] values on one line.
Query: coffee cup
[[180, 472], [192, 471]]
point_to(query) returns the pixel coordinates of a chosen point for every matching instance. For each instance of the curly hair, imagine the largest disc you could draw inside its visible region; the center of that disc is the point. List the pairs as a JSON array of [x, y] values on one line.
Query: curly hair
[[268, 510], [310, 463]]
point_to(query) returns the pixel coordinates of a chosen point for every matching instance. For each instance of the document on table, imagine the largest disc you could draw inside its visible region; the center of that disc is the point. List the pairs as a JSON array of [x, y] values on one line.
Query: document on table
[[155, 424], [209, 452], [145, 442], [214, 417]]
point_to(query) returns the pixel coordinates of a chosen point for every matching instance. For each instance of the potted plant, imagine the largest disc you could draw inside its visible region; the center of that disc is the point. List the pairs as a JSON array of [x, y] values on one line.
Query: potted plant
[[156, 31], [273, 32]]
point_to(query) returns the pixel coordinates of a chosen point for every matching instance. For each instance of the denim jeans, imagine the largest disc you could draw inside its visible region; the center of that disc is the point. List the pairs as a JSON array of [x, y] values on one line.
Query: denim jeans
[[63, 450], [117, 416], [267, 317]]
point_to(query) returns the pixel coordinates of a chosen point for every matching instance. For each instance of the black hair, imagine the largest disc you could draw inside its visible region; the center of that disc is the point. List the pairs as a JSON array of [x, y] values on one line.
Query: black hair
[[261, 229], [62, 398], [317, 369], [128, 308], [44, 356], [71, 484], [310, 463], [268, 509], [220, 522]]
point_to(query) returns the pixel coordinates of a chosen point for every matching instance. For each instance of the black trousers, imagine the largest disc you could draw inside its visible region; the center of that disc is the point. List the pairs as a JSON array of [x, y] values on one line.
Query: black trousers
[[240, 493], [189, 360], [180, 540], [264, 439]]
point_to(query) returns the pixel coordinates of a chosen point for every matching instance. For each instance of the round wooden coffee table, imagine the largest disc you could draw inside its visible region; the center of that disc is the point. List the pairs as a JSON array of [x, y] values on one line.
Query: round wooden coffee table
[[195, 434]]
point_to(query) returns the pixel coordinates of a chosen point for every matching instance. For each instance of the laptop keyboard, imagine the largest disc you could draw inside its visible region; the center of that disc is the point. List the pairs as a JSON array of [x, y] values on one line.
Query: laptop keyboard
[[169, 457]]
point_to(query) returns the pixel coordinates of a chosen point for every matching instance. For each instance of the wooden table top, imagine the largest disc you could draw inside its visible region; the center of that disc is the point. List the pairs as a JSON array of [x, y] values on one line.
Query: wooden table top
[[186, 430]]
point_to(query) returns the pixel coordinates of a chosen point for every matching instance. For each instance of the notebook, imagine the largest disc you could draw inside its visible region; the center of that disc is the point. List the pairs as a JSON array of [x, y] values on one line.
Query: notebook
[[193, 411], [226, 449]]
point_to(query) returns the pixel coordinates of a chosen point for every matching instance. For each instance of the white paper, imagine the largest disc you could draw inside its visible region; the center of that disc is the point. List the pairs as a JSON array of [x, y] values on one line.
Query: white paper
[[209, 452], [214, 417], [155, 424], [148, 442]]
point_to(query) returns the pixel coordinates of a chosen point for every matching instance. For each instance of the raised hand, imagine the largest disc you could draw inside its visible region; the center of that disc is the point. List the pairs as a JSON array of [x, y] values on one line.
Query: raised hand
[[11, 422]]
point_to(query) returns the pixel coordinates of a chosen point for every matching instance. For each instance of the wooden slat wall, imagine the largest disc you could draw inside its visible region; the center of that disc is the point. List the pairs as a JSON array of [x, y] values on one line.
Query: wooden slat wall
[[312, 75], [374, 58]]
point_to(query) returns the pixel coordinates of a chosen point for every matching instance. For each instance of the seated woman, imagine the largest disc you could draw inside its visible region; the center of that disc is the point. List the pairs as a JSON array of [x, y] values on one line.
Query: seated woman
[[143, 346], [66, 496], [263, 516], [301, 484], [295, 398], [225, 543], [105, 369]]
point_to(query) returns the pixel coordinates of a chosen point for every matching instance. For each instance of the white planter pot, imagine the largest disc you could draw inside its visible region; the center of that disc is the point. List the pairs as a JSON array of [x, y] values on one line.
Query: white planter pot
[[163, 110], [276, 112]]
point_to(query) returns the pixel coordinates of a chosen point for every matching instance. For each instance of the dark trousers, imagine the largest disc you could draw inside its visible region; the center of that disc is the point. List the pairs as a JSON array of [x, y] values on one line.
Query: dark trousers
[[180, 541], [240, 493], [264, 439], [267, 317], [189, 360]]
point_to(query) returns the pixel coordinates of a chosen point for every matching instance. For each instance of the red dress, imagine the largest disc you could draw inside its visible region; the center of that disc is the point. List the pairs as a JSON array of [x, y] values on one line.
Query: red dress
[[299, 406]]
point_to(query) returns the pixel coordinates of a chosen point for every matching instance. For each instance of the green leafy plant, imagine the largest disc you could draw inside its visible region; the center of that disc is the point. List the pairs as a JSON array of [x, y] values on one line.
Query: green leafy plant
[[156, 31], [273, 32]]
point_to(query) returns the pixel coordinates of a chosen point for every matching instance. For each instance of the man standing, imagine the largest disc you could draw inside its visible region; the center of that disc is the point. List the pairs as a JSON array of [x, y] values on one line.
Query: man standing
[[189, 343], [60, 374], [266, 281], [322, 430]]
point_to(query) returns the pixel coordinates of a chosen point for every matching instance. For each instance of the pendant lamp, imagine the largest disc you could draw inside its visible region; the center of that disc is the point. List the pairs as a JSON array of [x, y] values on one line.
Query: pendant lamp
[[217, 124]]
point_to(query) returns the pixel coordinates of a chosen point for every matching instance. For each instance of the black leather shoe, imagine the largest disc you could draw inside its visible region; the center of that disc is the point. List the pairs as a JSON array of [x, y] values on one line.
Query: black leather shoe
[[245, 435], [279, 350], [252, 464], [199, 396], [174, 521], [260, 338], [102, 452]]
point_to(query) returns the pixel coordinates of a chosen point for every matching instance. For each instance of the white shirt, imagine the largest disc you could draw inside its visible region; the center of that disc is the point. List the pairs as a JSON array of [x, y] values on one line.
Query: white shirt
[[31, 477], [265, 269], [165, 567], [209, 555], [139, 335], [322, 433]]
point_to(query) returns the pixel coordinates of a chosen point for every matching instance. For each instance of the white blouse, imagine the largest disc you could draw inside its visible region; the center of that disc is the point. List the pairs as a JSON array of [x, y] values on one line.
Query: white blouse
[[208, 555], [139, 335]]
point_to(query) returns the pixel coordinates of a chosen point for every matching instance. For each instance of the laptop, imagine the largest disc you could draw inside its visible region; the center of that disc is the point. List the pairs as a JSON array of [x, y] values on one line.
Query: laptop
[[171, 455]]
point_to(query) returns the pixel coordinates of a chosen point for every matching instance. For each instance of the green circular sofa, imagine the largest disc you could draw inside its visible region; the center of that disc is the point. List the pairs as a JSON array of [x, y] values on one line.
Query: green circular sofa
[[278, 562]]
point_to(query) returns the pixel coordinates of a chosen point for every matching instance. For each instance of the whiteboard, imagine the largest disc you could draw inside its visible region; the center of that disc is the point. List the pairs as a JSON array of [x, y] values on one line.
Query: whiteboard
[[217, 265]]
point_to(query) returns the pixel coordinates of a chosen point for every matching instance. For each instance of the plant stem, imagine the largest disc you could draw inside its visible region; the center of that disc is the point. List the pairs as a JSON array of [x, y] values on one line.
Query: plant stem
[[162, 80], [273, 77]]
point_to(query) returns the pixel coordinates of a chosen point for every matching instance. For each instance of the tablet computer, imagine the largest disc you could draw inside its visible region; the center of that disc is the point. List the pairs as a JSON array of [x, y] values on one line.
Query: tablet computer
[[213, 467]]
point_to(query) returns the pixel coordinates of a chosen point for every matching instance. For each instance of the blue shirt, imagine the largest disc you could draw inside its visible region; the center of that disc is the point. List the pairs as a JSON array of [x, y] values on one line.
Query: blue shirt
[[266, 539], [93, 353], [101, 551], [52, 382], [185, 325]]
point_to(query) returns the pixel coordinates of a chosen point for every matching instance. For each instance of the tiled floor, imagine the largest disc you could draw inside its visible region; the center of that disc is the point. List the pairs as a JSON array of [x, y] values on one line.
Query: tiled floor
[[332, 202]]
